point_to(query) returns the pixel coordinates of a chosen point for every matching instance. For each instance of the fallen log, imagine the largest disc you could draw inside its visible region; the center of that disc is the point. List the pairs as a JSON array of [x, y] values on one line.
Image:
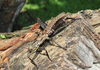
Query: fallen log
[[80, 37]]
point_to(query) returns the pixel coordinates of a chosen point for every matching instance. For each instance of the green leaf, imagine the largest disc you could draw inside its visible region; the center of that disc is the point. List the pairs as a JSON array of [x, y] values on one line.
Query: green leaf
[[2, 36]]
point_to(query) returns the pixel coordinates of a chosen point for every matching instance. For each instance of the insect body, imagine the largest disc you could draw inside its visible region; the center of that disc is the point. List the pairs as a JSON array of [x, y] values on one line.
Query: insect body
[[44, 35]]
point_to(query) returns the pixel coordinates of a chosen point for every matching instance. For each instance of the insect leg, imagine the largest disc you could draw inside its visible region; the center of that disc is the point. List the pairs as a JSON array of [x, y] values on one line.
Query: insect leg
[[31, 59], [58, 44], [47, 55]]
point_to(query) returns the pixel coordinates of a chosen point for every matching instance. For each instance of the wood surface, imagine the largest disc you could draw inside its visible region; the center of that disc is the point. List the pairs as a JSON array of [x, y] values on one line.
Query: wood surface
[[80, 37]]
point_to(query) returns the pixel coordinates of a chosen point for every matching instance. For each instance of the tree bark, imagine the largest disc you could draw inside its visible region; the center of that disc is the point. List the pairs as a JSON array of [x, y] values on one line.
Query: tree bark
[[80, 37], [9, 10]]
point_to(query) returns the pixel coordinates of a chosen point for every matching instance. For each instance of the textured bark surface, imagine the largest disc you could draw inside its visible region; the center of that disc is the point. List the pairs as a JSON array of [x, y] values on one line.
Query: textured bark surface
[[8, 12], [80, 39]]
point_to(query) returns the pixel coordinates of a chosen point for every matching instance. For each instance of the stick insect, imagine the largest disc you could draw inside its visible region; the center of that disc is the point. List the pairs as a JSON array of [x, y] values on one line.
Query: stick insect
[[45, 34]]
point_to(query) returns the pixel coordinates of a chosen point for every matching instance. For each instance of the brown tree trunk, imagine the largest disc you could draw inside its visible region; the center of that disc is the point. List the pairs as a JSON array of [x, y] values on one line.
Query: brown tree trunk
[[9, 10], [80, 37]]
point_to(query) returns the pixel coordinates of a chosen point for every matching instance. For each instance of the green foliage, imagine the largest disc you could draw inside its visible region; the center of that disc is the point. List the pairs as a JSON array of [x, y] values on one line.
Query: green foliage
[[45, 9], [2, 36]]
